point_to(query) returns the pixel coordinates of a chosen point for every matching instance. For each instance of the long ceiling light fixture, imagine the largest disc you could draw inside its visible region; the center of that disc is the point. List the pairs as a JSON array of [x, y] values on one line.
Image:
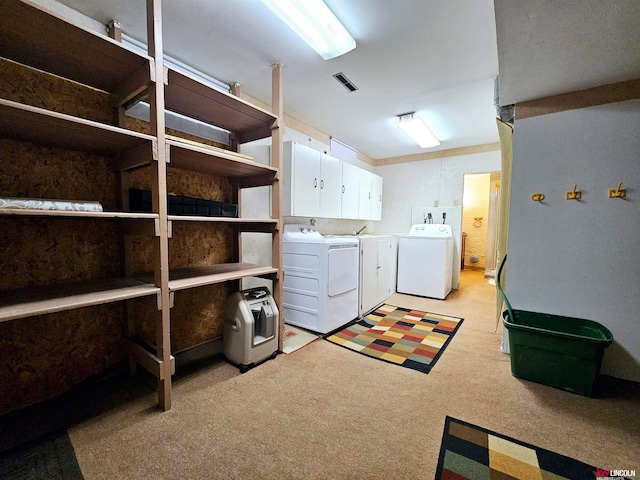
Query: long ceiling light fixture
[[417, 130], [312, 21]]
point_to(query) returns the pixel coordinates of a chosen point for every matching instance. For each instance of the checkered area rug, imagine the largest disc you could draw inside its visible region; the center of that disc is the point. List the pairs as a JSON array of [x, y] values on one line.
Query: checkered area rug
[[474, 453], [406, 337]]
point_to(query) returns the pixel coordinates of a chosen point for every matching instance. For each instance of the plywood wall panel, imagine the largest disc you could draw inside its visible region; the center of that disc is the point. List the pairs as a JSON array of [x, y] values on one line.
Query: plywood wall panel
[[45, 356], [32, 87]]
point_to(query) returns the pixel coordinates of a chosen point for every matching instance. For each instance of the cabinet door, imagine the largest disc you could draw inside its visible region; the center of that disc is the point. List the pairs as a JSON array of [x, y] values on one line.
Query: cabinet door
[[369, 275], [364, 203], [385, 269], [305, 181], [376, 197], [350, 190], [330, 187]]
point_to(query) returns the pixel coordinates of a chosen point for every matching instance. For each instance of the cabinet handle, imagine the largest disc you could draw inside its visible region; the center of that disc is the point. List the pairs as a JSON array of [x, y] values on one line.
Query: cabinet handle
[[342, 188], [315, 182], [321, 184], [369, 195]]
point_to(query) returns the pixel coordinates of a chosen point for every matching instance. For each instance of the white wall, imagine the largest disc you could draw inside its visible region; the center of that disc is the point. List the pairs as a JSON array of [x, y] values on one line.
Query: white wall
[[579, 258], [427, 183]]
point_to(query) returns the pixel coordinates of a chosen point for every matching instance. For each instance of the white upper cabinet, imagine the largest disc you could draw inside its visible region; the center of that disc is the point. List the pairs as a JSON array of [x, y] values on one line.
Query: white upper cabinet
[[319, 185], [330, 187], [350, 190], [313, 182], [364, 203], [376, 197], [302, 182]]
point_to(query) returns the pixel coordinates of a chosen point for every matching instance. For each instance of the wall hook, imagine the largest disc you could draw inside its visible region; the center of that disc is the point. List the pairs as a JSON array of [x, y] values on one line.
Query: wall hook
[[574, 194], [537, 197], [618, 192]]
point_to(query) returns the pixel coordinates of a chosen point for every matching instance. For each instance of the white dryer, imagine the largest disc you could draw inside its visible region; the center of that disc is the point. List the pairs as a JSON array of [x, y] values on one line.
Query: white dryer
[[320, 289], [425, 261]]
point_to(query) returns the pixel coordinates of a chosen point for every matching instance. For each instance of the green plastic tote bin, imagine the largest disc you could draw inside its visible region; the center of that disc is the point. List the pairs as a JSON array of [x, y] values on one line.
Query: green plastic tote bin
[[561, 352]]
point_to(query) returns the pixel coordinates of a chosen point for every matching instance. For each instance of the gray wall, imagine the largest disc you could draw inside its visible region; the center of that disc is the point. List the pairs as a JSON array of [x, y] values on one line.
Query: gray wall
[[580, 258]]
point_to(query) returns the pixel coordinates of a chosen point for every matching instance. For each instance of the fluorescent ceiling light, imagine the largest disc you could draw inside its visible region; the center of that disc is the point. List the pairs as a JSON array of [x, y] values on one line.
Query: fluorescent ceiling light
[[417, 130], [312, 21]]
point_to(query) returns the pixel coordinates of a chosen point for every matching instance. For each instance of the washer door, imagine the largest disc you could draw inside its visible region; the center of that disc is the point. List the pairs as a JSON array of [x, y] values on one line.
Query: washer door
[[342, 275]]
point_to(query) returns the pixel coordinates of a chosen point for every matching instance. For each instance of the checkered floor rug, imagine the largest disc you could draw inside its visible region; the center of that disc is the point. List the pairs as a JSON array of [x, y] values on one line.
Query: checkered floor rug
[[474, 453], [406, 337]]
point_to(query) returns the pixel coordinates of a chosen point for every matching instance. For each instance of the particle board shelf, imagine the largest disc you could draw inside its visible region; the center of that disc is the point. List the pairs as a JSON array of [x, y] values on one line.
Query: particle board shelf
[[30, 301], [43, 127], [219, 162], [183, 278], [39, 38], [186, 95], [245, 224]]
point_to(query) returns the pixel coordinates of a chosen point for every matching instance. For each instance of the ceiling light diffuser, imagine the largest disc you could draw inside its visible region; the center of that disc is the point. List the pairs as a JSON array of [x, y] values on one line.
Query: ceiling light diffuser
[[312, 21], [417, 130]]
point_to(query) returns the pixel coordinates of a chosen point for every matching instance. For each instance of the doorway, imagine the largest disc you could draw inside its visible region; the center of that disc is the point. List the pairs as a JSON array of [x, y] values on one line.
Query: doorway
[[480, 214]]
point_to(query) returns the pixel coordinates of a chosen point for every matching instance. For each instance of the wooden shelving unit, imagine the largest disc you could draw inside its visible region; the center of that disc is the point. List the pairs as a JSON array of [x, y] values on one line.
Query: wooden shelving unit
[[35, 37]]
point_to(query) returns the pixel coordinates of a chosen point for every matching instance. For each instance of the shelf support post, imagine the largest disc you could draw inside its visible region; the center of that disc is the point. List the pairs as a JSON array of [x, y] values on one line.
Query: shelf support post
[[277, 131], [159, 189]]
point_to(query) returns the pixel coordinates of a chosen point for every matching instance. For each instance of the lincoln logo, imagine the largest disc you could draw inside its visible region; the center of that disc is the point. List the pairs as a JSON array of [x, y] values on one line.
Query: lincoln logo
[[609, 474]]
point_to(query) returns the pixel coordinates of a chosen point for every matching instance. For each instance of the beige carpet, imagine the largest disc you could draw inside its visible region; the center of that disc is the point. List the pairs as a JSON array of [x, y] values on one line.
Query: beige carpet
[[327, 413]]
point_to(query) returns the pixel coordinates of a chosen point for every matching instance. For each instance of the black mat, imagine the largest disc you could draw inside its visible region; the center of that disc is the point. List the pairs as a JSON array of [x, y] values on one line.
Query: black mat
[[48, 458]]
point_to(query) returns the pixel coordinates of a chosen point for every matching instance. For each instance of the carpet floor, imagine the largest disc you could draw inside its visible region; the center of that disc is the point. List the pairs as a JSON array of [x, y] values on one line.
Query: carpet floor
[[325, 413]]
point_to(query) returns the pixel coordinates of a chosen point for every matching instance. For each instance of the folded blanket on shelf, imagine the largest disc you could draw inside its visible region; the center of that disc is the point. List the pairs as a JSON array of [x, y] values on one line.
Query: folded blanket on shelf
[[46, 204]]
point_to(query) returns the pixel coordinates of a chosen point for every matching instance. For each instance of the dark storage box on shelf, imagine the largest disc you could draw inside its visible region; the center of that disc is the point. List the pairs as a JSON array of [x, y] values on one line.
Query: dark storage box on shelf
[[140, 201], [561, 352]]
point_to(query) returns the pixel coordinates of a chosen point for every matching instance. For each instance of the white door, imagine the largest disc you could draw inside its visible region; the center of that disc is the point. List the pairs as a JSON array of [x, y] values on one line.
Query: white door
[[305, 181], [376, 197], [369, 278], [364, 202], [342, 276], [350, 190], [385, 269], [330, 187]]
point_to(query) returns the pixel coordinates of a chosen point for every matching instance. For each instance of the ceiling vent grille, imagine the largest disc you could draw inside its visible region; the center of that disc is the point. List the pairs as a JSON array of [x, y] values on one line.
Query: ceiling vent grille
[[348, 84]]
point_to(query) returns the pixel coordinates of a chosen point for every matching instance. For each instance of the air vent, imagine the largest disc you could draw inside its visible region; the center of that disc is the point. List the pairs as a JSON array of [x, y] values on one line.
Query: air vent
[[348, 84]]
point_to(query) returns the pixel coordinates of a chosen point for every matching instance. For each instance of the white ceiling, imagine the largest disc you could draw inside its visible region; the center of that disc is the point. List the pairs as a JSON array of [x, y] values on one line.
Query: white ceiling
[[438, 58]]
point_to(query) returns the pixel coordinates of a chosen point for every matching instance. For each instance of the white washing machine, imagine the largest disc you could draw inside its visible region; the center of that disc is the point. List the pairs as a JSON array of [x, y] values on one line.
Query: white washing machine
[[425, 261], [320, 289]]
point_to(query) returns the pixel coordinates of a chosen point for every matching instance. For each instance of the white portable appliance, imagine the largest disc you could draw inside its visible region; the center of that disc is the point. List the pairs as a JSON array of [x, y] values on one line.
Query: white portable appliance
[[251, 328], [320, 290], [425, 261]]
